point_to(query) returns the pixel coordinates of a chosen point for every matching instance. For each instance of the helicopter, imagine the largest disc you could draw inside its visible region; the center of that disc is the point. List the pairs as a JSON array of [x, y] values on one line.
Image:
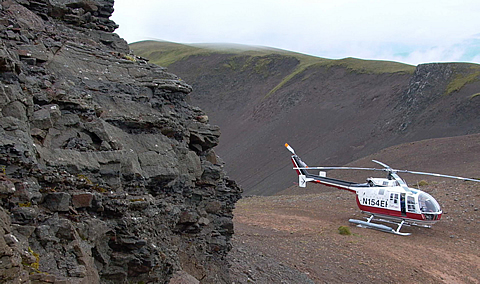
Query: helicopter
[[387, 200]]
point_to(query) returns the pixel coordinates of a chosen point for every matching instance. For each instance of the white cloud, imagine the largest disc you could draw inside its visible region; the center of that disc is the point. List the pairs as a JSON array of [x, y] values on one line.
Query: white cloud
[[476, 59], [371, 29], [434, 54]]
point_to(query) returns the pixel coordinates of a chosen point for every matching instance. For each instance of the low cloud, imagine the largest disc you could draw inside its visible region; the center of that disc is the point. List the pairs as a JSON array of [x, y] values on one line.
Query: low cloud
[[368, 29]]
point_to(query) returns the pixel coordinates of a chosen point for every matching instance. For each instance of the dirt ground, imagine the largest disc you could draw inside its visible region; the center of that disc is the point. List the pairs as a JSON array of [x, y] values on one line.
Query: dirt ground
[[295, 239]]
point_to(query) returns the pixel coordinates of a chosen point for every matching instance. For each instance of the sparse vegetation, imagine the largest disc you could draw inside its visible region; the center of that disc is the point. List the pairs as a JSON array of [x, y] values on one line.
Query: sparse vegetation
[[26, 204], [474, 95], [166, 53], [232, 64], [460, 81], [344, 230], [35, 265], [130, 57], [422, 183], [85, 178], [362, 66], [297, 71], [261, 66]]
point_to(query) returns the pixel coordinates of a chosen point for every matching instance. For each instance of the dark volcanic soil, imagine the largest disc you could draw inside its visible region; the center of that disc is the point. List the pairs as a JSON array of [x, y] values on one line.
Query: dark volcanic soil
[[335, 114], [295, 238]]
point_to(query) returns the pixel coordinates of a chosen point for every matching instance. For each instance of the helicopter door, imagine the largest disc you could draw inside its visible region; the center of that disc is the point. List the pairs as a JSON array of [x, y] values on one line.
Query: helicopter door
[[403, 205], [411, 204]]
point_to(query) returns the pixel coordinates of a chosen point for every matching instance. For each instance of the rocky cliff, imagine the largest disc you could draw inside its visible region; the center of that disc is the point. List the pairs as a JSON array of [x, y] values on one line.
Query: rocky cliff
[[107, 174]]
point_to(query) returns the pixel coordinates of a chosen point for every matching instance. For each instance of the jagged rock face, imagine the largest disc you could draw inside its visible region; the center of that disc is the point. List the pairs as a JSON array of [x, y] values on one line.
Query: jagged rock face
[[107, 174], [430, 86]]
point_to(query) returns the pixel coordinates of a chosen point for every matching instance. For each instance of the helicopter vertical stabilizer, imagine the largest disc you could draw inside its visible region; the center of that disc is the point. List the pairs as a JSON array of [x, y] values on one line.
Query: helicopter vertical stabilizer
[[302, 181]]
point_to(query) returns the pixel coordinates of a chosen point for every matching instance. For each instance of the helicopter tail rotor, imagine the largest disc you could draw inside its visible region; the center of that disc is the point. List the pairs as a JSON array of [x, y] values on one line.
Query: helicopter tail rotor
[[300, 166], [289, 148]]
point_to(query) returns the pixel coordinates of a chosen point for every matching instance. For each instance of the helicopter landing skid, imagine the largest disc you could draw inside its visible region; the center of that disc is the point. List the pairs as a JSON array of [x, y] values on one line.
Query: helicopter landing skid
[[368, 224]]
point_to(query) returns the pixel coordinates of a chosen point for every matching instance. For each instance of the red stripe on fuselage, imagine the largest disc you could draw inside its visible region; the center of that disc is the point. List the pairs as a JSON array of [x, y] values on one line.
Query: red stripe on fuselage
[[295, 166], [389, 212]]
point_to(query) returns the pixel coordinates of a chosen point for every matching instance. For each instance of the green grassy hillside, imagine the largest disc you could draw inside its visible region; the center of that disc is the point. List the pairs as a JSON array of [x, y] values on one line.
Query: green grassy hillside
[[164, 53]]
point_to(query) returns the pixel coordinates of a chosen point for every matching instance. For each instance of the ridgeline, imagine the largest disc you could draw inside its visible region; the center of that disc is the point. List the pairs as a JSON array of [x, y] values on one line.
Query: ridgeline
[[332, 111]]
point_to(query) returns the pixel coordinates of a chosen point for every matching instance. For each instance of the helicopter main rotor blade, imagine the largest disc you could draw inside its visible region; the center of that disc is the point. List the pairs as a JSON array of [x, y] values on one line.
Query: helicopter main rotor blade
[[383, 164], [339, 168], [437, 175]]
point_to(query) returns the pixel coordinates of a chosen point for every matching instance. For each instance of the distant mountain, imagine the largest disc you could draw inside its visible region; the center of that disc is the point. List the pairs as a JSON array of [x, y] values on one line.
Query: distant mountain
[[331, 111]]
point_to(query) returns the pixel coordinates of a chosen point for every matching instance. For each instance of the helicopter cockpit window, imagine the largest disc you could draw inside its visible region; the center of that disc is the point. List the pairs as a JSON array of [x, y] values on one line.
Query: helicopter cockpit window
[[410, 204], [427, 203]]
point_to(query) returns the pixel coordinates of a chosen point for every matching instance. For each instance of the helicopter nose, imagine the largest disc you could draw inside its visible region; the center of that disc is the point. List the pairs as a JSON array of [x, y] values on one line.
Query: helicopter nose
[[432, 216]]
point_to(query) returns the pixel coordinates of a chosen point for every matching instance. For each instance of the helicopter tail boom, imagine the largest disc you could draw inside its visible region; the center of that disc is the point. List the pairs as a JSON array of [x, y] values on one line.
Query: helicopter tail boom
[[298, 164], [304, 176], [300, 167]]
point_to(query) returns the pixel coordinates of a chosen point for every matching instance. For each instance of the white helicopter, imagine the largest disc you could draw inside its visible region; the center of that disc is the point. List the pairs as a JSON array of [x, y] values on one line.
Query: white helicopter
[[388, 200]]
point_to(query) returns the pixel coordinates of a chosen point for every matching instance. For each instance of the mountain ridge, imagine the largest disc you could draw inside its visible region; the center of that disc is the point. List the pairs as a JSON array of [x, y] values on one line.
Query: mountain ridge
[[335, 110]]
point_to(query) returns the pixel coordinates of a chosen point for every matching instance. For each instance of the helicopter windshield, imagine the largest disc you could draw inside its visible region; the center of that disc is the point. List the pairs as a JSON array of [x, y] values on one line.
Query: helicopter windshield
[[428, 203]]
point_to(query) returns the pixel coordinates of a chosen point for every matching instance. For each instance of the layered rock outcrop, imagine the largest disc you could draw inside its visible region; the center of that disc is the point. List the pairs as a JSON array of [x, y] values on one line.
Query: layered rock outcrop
[[107, 174]]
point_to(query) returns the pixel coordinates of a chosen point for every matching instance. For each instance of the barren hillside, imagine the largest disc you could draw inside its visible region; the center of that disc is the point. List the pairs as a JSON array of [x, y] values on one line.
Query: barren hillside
[[334, 111]]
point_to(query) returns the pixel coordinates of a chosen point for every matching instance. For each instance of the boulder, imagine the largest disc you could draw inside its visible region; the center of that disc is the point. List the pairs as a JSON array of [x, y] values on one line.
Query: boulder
[[57, 201], [182, 277], [46, 117], [82, 200]]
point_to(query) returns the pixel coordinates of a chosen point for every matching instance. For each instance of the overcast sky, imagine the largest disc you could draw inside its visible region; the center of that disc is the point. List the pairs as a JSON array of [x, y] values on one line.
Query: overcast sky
[[409, 31]]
